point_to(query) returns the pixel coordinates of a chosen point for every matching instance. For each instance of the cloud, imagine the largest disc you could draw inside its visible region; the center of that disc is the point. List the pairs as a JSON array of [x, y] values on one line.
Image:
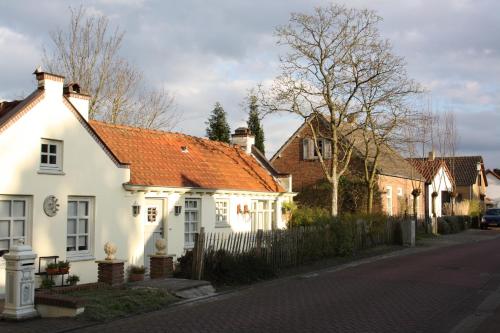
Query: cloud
[[215, 51], [20, 57]]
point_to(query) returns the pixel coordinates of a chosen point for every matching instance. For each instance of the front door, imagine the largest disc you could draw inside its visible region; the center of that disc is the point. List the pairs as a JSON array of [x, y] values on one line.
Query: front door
[[260, 215], [153, 227]]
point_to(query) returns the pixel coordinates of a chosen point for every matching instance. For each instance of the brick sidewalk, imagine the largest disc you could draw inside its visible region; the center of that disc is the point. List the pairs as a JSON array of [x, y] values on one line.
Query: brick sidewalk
[[425, 292]]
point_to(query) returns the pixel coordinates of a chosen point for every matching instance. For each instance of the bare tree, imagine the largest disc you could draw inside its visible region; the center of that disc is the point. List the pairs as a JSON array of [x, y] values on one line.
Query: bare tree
[[451, 142], [384, 114], [416, 137], [331, 55], [88, 52]]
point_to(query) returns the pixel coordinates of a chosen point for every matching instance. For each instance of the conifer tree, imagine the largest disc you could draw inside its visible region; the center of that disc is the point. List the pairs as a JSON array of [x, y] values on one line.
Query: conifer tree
[[218, 128], [253, 123]]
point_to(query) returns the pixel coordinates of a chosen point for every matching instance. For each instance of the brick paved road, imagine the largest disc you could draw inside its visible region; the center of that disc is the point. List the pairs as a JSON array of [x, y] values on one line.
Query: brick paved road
[[425, 292]]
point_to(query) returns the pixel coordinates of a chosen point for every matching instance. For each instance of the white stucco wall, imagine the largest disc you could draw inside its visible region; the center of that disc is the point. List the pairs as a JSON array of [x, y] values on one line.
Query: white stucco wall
[[238, 222], [88, 171], [493, 189], [441, 182]]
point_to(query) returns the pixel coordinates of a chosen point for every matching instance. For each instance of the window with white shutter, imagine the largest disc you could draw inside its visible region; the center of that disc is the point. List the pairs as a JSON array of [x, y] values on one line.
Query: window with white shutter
[[327, 144], [306, 148]]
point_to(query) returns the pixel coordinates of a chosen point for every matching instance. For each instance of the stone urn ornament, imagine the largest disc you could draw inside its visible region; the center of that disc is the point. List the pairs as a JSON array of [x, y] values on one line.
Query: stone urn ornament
[[161, 246], [110, 250]]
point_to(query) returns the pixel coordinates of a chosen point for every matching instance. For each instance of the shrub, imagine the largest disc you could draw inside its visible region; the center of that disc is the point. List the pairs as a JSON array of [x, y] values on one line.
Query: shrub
[[459, 209], [224, 268], [73, 280], [398, 233], [475, 208], [307, 216], [184, 266], [134, 269], [47, 284], [443, 227], [343, 239]]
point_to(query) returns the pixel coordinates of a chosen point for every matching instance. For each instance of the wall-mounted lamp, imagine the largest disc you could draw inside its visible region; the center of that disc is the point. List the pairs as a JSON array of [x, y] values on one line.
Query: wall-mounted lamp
[[177, 210], [136, 209]]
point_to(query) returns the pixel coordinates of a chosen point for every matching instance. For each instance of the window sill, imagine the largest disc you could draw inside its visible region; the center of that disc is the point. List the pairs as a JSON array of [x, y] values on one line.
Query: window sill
[[50, 172], [222, 226], [76, 258]]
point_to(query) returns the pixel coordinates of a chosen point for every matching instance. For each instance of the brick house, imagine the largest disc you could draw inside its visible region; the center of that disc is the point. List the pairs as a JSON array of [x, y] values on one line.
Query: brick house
[[396, 177]]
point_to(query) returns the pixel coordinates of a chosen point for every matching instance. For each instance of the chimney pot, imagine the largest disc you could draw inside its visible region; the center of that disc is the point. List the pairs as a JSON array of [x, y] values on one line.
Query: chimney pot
[[432, 155], [243, 137]]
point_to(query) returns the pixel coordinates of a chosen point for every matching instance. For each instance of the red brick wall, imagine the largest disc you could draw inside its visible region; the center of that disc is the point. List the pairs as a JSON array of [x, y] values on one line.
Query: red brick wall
[[304, 172], [399, 202]]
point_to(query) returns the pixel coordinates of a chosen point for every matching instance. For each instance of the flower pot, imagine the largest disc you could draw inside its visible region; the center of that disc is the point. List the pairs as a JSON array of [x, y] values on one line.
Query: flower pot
[[64, 270], [134, 277], [52, 271]]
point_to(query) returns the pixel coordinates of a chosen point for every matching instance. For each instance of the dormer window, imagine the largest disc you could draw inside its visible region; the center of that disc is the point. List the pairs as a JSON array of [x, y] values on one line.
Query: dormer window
[[51, 156]]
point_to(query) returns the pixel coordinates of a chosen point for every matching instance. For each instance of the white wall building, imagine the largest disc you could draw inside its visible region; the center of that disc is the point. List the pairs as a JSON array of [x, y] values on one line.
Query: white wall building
[[69, 185], [493, 189], [438, 183]]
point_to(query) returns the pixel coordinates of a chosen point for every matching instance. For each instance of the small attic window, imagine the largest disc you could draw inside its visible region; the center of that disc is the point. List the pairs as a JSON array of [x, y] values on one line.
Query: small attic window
[[51, 155], [184, 149]]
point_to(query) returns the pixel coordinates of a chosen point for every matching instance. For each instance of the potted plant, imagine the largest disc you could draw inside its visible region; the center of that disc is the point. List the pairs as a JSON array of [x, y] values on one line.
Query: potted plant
[[136, 273], [52, 268], [63, 267], [47, 284], [72, 280]]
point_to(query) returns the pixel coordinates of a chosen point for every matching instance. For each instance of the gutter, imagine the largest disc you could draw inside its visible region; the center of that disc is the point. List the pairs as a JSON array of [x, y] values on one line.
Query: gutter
[[184, 190]]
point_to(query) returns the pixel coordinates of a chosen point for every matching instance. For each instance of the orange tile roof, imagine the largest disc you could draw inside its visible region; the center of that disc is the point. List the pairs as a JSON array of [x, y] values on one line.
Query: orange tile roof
[[156, 159]]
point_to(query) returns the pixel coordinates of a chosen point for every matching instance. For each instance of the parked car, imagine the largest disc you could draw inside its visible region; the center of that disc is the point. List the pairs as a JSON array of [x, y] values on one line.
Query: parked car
[[490, 217]]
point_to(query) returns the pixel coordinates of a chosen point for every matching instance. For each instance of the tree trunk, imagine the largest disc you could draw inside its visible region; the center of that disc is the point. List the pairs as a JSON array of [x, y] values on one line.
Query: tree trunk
[[335, 196], [433, 206], [415, 213], [369, 207]]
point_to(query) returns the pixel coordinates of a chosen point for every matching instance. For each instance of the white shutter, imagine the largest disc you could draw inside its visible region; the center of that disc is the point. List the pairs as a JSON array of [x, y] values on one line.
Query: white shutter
[[327, 148], [306, 143]]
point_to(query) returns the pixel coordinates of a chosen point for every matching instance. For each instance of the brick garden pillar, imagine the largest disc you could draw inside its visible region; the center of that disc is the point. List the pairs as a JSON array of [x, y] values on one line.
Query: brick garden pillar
[[161, 266], [110, 272]]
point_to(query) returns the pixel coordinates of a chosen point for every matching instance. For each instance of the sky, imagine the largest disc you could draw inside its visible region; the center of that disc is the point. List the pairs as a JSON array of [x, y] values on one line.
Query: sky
[[209, 51]]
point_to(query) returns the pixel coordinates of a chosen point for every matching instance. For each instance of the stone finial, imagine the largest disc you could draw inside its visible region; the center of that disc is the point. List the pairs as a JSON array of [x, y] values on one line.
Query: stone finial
[[161, 246], [110, 250]]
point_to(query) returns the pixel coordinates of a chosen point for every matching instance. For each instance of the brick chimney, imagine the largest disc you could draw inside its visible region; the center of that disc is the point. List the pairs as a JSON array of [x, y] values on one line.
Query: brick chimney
[[78, 99], [51, 83], [244, 138], [432, 155]]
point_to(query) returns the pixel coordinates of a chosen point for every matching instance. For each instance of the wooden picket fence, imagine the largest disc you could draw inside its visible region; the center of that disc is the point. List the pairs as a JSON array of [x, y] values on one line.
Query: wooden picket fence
[[291, 247]]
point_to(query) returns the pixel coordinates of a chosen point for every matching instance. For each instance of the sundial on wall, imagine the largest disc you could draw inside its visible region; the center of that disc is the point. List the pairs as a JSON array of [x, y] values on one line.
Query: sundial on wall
[[50, 205]]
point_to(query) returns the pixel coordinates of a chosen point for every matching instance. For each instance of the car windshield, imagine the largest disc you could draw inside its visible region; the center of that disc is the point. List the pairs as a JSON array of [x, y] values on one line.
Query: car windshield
[[493, 212]]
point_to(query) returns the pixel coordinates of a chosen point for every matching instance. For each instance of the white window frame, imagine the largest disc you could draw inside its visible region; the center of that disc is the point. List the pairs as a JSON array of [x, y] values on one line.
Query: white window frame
[[11, 219], [189, 242], [88, 254], [219, 211], [388, 196], [266, 212], [400, 191], [51, 167]]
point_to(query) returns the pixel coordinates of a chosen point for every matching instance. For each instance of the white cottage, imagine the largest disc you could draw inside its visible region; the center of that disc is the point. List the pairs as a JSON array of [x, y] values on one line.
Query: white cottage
[[438, 183], [493, 189], [69, 185]]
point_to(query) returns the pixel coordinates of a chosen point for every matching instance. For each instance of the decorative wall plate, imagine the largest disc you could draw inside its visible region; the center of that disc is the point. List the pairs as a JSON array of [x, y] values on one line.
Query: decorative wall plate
[[50, 205]]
